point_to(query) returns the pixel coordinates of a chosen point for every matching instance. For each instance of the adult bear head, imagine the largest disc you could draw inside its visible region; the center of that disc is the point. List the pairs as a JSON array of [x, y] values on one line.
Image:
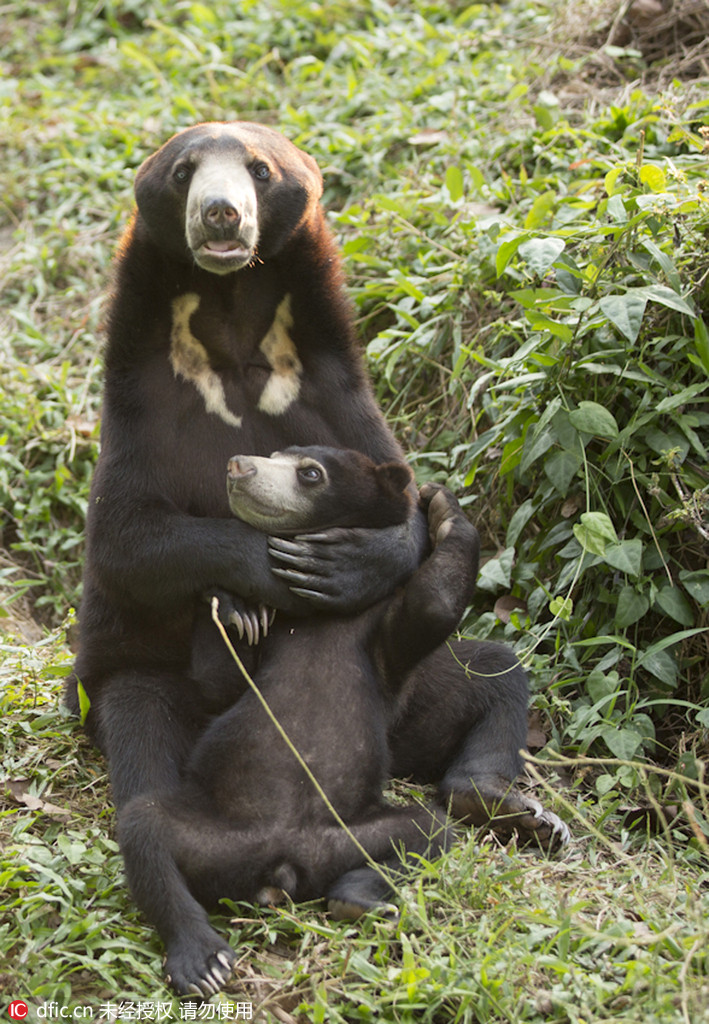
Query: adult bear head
[[224, 193]]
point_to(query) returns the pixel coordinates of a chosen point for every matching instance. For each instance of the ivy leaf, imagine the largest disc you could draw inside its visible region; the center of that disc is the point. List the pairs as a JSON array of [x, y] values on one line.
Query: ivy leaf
[[561, 608], [497, 572], [671, 601], [595, 532], [626, 556], [622, 743], [697, 584], [630, 608], [626, 311], [667, 297], [560, 468], [592, 418], [540, 253]]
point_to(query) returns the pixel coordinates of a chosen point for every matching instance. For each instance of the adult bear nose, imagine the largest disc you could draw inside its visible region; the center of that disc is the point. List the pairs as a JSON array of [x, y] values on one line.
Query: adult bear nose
[[219, 213]]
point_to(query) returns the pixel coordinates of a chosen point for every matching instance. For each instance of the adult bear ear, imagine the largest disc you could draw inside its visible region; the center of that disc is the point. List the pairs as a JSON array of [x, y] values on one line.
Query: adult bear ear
[[393, 477], [315, 184]]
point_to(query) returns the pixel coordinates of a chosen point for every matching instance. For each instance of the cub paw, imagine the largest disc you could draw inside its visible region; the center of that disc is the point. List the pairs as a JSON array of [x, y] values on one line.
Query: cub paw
[[444, 512]]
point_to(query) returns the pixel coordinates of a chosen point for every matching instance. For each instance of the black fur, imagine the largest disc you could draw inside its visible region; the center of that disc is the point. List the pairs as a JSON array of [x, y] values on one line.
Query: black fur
[[159, 532], [248, 822]]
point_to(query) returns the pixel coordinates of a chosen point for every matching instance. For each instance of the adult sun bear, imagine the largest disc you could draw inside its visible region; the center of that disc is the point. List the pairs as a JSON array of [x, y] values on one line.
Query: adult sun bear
[[229, 331]]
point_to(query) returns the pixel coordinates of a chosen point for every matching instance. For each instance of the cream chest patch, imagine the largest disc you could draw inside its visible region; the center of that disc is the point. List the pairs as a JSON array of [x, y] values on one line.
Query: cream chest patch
[[190, 360], [283, 386]]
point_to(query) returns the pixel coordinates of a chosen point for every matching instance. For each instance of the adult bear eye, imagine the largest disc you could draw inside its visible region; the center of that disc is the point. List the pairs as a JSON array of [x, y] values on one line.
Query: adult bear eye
[[182, 173], [310, 474], [261, 171]]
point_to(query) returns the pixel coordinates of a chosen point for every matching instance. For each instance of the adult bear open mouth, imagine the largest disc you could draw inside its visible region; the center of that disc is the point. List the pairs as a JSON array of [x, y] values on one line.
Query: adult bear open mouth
[[223, 255]]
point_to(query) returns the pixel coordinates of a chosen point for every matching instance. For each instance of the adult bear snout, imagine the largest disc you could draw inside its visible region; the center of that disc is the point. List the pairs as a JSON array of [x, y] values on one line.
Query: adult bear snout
[[220, 213]]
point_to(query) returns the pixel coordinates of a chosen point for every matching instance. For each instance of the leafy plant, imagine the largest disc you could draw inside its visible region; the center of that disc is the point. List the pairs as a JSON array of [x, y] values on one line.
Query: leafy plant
[[527, 253]]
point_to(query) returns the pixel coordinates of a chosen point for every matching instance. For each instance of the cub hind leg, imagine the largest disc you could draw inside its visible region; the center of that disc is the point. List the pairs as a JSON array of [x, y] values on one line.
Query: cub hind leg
[[413, 832]]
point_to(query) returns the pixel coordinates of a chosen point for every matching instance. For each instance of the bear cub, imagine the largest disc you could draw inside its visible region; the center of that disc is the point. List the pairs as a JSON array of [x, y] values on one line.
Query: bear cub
[[248, 823]]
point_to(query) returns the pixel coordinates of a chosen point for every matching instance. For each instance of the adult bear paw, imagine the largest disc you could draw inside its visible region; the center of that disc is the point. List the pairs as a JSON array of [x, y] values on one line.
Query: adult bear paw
[[199, 965], [250, 622], [506, 811]]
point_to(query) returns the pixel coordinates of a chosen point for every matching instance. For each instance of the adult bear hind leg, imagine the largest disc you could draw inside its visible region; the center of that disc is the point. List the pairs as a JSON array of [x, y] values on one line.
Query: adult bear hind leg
[[463, 725], [146, 724], [165, 841]]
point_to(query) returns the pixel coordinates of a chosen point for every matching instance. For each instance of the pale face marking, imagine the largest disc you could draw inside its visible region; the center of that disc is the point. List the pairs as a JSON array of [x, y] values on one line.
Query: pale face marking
[[266, 492], [283, 386], [189, 360], [222, 177]]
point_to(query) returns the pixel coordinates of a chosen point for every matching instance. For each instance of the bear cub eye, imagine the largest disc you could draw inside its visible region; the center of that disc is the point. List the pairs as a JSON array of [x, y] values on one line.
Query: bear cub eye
[[310, 474], [261, 171]]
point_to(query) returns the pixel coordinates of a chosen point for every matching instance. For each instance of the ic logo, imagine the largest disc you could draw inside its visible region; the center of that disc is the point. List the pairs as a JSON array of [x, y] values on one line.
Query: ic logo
[[17, 1009]]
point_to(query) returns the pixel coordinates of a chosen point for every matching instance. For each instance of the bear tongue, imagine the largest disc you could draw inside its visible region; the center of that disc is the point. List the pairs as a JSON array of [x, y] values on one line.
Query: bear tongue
[[222, 246]]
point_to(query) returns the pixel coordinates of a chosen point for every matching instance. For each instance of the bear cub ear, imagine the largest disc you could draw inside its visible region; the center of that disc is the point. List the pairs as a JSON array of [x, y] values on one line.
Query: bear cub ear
[[393, 477]]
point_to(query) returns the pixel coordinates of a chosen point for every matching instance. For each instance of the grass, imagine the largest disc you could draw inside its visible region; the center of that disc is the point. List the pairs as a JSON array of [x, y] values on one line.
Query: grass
[[523, 213]]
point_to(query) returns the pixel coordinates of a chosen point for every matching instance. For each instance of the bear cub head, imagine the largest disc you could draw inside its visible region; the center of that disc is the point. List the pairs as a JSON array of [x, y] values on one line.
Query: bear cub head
[[314, 488]]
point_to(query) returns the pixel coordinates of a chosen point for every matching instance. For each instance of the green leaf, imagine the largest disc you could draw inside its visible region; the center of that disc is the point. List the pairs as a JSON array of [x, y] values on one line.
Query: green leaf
[[631, 606], [541, 208], [497, 572], [519, 520], [654, 177], [506, 251], [667, 297], [592, 418], [595, 532], [668, 267], [540, 253], [541, 322], [681, 397], [622, 743], [599, 685], [626, 556], [536, 443], [625, 311], [604, 784], [660, 664], [610, 180], [671, 601], [696, 584], [84, 702], [561, 608], [560, 468], [455, 183], [701, 340]]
